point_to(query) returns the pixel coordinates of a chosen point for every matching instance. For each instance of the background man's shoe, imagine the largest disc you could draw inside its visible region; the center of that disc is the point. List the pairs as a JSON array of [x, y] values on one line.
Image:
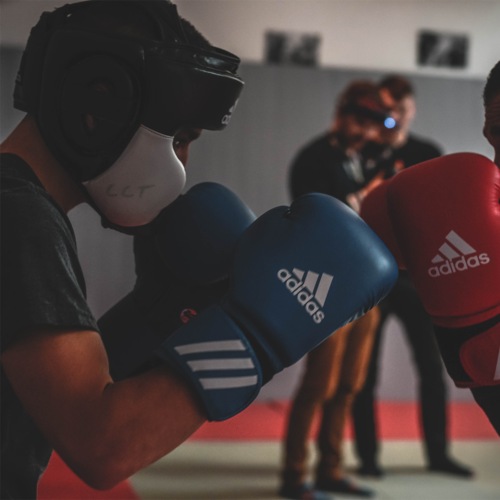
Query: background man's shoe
[[370, 470], [450, 467], [302, 491], [343, 486]]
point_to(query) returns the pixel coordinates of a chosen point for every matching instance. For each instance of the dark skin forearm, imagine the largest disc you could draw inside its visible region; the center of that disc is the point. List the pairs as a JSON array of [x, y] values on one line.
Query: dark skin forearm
[[104, 431]]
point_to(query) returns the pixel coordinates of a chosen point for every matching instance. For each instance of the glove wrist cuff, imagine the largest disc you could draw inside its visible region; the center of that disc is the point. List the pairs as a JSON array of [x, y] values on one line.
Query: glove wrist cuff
[[216, 357]]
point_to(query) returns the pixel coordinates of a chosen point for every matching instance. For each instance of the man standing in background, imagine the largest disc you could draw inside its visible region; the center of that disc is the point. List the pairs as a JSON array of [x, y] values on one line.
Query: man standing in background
[[332, 163], [336, 369], [403, 150]]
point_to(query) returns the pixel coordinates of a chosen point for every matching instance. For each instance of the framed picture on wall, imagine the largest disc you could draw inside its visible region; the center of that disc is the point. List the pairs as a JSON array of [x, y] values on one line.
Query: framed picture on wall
[[445, 50], [292, 48]]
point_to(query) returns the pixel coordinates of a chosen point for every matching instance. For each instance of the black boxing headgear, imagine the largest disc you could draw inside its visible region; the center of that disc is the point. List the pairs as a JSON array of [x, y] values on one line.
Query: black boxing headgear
[[367, 108], [154, 88]]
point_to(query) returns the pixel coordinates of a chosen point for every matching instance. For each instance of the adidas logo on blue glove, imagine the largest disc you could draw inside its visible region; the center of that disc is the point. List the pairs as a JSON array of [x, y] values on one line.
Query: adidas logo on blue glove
[[299, 287]]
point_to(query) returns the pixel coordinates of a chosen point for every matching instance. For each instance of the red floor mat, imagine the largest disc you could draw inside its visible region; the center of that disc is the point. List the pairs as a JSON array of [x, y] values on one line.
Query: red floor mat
[[397, 420], [60, 483]]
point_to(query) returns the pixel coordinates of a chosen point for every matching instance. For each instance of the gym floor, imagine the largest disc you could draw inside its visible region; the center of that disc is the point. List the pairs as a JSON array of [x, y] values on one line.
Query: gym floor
[[240, 460], [250, 471]]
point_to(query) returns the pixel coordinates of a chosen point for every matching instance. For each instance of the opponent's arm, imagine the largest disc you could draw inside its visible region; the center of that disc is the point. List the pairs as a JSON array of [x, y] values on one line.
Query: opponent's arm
[[446, 218], [433, 219], [445, 214]]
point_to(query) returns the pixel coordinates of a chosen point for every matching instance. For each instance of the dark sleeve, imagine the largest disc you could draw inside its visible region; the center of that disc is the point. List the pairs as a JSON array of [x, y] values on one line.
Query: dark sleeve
[[424, 150], [433, 151], [42, 282], [308, 174]]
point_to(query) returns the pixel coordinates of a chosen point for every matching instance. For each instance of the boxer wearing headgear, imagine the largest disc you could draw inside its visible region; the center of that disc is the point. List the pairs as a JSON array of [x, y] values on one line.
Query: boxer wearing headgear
[[154, 88], [108, 87], [83, 136]]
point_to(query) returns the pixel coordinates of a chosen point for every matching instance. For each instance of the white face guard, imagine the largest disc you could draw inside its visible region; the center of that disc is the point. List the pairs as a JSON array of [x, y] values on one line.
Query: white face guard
[[146, 178]]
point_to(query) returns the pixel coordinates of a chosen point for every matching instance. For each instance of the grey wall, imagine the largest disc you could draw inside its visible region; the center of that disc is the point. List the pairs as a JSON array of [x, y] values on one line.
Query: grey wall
[[9, 63], [281, 109]]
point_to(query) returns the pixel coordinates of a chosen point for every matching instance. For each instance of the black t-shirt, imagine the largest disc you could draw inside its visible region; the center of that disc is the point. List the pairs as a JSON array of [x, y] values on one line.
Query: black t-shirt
[[42, 284], [321, 167], [415, 151]]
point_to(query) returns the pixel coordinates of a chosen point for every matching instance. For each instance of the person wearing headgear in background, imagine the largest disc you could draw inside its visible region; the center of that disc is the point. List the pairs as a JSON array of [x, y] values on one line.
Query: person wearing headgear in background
[[115, 92], [398, 150], [336, 369], [399, 147]]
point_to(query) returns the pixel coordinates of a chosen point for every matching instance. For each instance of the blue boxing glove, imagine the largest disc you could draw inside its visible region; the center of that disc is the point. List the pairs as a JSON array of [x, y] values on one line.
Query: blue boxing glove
[[298, 274], [181, 270]]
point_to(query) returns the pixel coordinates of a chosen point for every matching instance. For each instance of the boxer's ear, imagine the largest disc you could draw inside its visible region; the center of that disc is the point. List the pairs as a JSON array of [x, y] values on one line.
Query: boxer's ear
[[92, 122]]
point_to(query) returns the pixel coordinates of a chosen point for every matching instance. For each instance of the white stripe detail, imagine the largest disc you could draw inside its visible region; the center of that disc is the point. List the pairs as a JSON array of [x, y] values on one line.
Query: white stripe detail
[[497, 371], [459, 243], [311, 280], [218, 345], [228, 383], [298, 273], [437, 259], [323, 288], [221, 364], [446, 250]]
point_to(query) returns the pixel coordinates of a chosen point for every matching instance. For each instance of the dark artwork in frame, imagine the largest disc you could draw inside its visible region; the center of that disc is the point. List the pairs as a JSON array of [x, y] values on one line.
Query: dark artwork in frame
[[443, 50], [299, 49]]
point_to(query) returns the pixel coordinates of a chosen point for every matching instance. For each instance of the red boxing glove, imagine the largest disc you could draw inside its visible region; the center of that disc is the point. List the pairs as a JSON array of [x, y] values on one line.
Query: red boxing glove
[[374, 212], [445, 214]]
